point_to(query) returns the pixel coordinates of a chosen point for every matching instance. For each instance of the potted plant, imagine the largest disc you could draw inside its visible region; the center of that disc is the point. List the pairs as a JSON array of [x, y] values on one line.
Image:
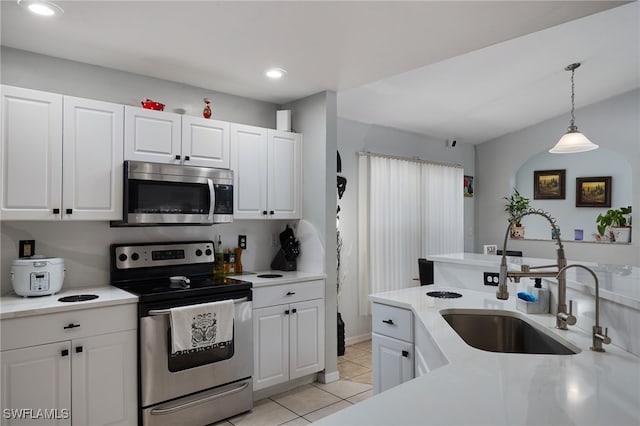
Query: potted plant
[[516, 204], [615, 225]]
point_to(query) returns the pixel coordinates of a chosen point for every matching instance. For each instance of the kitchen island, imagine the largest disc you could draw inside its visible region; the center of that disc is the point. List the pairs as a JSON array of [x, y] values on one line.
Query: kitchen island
[[478, 387]]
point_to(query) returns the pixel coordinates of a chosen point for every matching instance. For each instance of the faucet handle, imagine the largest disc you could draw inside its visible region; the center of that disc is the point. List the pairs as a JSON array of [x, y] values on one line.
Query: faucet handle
[[606, 339], [571, 320]]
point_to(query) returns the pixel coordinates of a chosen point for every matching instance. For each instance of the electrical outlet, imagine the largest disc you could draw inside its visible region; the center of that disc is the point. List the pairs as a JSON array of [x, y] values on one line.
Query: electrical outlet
[[491, 278], [242, 242], [274, 240], [27, 248]]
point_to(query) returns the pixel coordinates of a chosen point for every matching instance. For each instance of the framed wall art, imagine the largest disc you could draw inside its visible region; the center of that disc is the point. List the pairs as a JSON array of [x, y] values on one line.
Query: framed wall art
[[593, 191], [468, 186], [549, 184]]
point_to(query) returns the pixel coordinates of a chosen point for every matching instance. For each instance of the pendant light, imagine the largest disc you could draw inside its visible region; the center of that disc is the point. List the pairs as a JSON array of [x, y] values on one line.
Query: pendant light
[[573, 140]]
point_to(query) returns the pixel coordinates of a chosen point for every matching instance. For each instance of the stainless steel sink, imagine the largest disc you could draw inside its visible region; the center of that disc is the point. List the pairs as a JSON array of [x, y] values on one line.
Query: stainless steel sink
[[503, 332]]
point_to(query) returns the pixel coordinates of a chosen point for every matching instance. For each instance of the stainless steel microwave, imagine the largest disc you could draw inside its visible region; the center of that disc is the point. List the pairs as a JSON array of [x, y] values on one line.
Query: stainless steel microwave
[[165, 194]]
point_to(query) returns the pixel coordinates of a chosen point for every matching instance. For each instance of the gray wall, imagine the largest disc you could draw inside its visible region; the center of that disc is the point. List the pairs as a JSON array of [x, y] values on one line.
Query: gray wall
[[315, 118], [600, 162], [50, 74], [613, 124], [354, 137], [84, 245]]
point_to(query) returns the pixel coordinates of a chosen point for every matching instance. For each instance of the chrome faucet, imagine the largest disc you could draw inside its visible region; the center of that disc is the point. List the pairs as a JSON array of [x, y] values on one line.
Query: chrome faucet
[[598, 337], [563, 318]]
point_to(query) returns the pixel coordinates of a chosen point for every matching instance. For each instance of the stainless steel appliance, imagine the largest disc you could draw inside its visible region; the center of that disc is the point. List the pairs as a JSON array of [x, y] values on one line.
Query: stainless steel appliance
[[200, 386], [165, 194], [37, 275]]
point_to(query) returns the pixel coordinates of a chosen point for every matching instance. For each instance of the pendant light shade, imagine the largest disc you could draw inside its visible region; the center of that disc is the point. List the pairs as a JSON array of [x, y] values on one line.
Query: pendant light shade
[[573, 141]]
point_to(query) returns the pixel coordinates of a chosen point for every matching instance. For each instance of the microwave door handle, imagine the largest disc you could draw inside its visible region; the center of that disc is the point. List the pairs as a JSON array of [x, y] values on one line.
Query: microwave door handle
[[212, 198]]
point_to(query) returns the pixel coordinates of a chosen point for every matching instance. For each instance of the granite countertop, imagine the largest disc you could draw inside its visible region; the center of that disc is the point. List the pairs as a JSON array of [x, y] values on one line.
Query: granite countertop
[[13, 306], [479, 387], [618, 283]]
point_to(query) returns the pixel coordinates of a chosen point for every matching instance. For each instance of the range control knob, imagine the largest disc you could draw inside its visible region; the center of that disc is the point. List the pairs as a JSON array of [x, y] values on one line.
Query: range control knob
[[122, 257], [208, 252], [198, 252], [135, 256]]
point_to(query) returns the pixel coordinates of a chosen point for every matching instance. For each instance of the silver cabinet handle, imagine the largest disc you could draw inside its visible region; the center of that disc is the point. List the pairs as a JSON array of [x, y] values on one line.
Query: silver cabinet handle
[[162, 411], [168, 311]]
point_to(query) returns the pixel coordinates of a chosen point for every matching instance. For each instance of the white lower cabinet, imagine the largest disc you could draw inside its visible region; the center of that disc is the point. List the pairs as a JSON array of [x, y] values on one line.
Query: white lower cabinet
[[392, 346], [392, 362], [288, 337], [75, 377], [428, 355]]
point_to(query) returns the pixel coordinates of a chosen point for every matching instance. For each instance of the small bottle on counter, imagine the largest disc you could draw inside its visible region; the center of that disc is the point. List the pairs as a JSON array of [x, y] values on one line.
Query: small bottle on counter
[[218, 265], [232, 262]]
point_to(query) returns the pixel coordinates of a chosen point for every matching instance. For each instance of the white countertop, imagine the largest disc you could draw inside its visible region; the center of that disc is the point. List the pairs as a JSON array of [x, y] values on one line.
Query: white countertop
[[479, 387], [618, 283], [12, 306], [287, 277]]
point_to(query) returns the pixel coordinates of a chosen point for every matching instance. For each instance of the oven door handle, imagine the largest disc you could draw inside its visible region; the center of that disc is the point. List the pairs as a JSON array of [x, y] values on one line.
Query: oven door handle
[[212, 198], [168, 311], [162, 411]]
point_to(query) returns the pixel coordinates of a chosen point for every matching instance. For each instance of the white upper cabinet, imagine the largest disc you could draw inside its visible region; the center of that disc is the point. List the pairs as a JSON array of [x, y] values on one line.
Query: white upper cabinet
[[152, 136], [284, 196], [249, 164], [165, 137], [205, 142], [31, 154], [92, 157], [35, 145], [267, 173]]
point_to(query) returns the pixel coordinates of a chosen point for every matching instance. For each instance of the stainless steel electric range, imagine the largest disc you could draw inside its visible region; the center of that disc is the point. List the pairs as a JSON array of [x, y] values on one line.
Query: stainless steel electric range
[[200, 386]]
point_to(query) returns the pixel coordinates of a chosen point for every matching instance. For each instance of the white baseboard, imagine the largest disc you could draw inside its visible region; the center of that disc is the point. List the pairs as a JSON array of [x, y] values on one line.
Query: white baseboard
[[324, 377], [357, 339]]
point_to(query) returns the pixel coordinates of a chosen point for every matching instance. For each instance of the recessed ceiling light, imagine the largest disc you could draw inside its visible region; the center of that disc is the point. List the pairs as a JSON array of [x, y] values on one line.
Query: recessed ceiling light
[[275, 73], [41, 7]]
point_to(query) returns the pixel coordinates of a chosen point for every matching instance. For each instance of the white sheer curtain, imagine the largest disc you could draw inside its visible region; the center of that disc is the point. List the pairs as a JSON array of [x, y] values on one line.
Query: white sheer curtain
[[406, 210], [442, 209]]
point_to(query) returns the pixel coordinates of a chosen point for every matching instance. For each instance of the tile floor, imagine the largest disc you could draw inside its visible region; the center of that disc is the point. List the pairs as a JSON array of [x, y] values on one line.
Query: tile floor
[[311, 402]]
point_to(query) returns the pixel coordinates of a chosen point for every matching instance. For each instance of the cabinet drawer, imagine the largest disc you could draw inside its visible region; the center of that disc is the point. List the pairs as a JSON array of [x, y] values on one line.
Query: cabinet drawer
[[393, 322], [48, 328], [287, 293]]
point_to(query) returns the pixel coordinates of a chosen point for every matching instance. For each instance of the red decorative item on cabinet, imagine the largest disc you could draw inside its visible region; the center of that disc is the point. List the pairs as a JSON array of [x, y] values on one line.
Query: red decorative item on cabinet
[[149, 104], [206, 113]]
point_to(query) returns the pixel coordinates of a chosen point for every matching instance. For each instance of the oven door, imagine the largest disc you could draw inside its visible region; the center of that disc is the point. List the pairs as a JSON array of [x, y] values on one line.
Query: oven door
[[164, 376]]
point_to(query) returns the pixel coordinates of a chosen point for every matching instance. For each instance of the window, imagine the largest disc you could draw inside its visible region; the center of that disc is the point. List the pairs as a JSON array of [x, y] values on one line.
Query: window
[[407, 209]]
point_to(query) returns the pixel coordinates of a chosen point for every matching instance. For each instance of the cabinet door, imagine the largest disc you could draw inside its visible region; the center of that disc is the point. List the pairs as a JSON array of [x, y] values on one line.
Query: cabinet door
[[31, 154], [392, 362], [284, 175], [37, 378], [271, 346], [152, 136], [105, 379], [205, 142], [249, 164], [92, 155], [307, 338]]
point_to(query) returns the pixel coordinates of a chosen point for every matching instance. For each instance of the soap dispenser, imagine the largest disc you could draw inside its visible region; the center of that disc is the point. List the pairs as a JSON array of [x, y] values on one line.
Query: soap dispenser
[[542, 294]]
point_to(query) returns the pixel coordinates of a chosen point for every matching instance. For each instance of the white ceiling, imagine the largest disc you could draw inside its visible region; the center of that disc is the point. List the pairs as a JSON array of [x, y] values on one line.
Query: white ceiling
[[471, 70]]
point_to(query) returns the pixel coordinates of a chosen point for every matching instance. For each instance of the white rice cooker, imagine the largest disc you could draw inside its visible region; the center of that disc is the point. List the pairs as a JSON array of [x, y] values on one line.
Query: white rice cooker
[[37, 275]]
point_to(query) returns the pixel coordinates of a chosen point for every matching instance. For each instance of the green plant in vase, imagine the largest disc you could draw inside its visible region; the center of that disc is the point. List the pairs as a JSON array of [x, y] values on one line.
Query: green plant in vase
[[615, 224], [516, 205]]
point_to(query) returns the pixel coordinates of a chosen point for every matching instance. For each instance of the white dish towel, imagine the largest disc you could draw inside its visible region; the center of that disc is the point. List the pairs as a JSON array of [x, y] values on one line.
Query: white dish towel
[[203, 325]]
